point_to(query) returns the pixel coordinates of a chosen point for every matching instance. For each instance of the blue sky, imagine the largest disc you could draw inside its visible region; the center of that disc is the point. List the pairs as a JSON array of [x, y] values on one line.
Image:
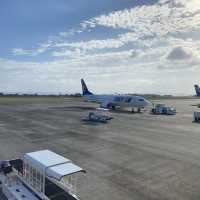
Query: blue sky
[[28, 23], [139, 46]]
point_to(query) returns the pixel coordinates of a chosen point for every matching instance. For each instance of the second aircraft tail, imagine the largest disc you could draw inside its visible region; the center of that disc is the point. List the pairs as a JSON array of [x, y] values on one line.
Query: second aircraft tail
[[84, 88], [197, 89]]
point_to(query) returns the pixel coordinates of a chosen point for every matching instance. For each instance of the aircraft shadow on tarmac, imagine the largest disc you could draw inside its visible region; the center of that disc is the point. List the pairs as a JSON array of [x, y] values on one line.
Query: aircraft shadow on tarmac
[[89, 108], [73, 108], [93, 123], [196, 105], [126, 112]]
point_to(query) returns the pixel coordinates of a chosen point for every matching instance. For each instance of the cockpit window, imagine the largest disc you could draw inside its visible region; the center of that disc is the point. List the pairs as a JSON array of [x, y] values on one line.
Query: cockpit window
[[128, 99], [141, 99]]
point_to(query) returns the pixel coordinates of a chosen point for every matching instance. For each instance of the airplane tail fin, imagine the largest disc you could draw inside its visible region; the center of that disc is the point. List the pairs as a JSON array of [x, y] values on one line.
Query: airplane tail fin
[[197, 89], [84, 88]]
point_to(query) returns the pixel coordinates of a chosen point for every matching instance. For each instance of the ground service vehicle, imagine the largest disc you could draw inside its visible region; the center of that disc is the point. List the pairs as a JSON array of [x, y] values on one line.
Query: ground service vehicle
[[163, 109], [40, 175]]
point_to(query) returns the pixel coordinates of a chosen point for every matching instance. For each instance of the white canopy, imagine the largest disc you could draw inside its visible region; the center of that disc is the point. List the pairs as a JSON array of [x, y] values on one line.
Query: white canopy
[[62, 170], [54, 165]]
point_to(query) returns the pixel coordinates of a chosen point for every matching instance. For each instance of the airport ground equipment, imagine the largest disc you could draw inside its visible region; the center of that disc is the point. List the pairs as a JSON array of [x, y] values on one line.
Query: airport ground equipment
[[162, 109], [99, 115], [197, 116], [40, 175]]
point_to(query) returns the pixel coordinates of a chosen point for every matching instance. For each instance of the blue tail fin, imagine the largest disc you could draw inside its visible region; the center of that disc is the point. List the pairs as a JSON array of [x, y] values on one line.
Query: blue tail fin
[[197, 90], [84, 88]]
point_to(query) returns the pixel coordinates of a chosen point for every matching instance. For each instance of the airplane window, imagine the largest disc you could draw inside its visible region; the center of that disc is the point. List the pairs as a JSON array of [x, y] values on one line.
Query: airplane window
[[141, 99], [117, 99]]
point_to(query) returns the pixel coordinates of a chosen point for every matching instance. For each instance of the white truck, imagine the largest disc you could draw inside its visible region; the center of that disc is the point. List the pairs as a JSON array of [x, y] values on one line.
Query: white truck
[[162, 109]]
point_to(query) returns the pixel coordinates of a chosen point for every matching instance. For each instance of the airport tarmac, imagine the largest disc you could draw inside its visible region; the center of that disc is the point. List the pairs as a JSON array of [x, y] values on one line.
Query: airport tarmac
[[134, 157]]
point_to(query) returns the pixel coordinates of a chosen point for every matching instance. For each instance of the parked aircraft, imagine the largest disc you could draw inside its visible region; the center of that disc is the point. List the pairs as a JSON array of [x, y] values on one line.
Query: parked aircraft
[[115, 101]]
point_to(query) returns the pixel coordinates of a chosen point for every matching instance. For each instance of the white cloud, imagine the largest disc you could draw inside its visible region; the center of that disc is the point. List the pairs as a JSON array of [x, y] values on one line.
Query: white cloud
[[93, 44], [158, 19], [159, 44], [126, 72], [20, 51], [68, 53], [179, 53], [31, 52], [67, 33], [144, 24]]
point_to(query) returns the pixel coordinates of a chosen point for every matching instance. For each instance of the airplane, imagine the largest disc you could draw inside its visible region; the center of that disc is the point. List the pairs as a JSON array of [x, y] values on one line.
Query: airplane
[[114, 101], [197, 89]]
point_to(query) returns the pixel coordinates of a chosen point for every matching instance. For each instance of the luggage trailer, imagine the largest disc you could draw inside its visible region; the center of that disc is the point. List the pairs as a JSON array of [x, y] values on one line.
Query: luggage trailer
[[40, 175], [162, 109]]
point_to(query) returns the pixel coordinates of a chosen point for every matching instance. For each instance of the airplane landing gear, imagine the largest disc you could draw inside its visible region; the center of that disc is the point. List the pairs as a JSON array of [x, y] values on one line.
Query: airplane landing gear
[[111, 106]]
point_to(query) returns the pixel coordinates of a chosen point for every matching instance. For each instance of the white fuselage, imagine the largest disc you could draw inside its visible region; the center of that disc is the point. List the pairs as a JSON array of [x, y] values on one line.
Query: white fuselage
[[123, 101]]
